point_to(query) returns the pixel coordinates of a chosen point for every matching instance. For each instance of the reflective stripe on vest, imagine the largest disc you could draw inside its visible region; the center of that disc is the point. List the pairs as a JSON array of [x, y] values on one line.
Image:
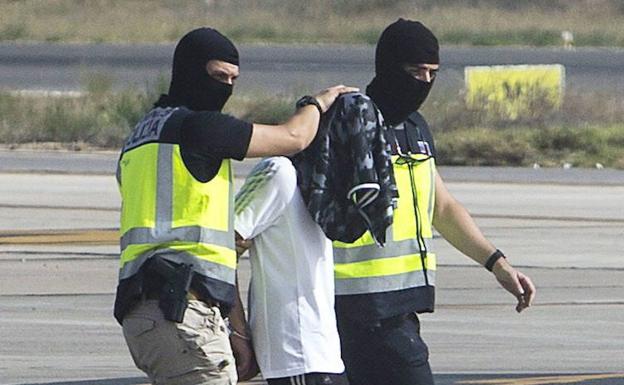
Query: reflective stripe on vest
[[407, 260], [166, 211]]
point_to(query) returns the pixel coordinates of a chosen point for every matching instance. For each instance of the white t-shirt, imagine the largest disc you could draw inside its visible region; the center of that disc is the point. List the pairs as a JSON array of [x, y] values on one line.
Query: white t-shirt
[[291, 296]]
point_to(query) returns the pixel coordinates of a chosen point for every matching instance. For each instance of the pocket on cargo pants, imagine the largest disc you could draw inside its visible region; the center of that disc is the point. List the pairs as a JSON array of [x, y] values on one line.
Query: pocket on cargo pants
[[206, 337], [195, 351]]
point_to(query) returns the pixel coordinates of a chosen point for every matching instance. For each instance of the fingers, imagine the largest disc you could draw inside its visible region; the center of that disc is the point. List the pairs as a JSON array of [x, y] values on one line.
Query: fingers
[[527, 295], [242, 245], [529, 291], [518, 284], [522, 304], [341, 89], [327, 97]]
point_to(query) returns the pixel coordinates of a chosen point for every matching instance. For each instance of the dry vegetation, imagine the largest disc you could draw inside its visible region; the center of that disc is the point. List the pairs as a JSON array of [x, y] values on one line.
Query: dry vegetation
[[588, 129], [471, 22], [584, 132]]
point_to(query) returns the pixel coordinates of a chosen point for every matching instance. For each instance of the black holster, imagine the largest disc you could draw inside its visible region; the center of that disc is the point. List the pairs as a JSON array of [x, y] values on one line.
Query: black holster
[[173, 293]]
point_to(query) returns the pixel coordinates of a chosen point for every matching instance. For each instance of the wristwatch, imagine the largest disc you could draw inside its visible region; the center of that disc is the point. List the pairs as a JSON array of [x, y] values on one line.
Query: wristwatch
[[489, 263], [307, 100]]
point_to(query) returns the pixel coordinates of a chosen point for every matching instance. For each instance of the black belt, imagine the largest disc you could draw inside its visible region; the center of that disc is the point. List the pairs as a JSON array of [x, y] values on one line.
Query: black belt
[[155, 294]]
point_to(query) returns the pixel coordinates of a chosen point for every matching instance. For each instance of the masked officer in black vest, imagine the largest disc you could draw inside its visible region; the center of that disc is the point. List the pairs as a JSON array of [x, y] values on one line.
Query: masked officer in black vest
[[379, 291], [178, 259]]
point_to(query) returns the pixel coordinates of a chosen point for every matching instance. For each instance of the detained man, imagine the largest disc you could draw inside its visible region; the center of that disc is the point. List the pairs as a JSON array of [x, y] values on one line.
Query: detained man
[[291, 298]]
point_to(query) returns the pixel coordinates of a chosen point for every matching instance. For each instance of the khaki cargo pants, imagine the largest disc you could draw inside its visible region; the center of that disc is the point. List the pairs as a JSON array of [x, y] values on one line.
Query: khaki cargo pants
[[194, 352]]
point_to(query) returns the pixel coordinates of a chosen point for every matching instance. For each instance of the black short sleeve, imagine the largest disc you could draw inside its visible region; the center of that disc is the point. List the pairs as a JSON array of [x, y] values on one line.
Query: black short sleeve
[[215, 135], [208, 137]]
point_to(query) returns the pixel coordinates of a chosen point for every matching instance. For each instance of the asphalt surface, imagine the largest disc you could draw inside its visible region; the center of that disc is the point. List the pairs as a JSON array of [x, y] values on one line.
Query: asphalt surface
[[285, 68], [58, 267], [563, 227], [104, 162]]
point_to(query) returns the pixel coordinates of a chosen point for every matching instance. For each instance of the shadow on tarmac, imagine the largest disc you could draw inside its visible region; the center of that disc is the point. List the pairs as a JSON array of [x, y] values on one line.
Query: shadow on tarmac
[[440, 379], [108, 381], [124, 381]]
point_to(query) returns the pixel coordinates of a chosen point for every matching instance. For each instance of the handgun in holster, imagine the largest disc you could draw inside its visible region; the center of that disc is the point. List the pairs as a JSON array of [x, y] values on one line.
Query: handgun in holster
[[173, 293]]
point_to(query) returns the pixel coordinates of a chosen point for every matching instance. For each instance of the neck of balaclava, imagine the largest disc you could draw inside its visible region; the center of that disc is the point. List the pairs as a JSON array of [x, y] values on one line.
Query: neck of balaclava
[[166, 100], [393, 111], [397, 95], [200, 94]]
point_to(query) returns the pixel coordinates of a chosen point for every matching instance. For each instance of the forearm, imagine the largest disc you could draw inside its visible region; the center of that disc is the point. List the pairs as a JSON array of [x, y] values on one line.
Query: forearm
[[287, 138], [297, 132], [460, 230], [456, 225], [238, 321], [301, 128]]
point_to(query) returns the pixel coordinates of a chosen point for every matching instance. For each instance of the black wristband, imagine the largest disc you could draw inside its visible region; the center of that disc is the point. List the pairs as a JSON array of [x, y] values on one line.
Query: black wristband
[[307, 100], [489, 264]]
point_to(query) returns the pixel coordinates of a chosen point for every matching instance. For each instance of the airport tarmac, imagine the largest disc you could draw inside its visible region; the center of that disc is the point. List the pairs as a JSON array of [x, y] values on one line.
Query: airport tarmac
[[58, 271]]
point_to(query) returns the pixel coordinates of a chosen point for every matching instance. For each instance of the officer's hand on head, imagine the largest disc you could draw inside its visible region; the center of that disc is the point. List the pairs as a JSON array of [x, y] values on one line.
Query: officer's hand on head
[[515, 282], [327, 97]]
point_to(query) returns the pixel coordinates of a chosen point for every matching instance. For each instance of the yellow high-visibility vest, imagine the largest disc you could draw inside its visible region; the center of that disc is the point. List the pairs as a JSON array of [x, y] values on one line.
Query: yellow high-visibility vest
[[167, 212], [406, 261]]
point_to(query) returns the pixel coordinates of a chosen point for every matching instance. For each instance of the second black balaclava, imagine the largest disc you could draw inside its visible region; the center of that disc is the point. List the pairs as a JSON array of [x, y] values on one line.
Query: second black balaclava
[[191, 86], [394, 91]]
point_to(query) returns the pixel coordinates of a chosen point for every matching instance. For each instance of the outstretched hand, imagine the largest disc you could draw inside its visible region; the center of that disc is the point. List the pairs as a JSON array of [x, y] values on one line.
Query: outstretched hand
[[328, 96], [515, 282]]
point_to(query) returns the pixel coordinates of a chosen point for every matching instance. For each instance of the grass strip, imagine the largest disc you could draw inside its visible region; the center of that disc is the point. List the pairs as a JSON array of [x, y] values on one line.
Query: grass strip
[[586, 131]]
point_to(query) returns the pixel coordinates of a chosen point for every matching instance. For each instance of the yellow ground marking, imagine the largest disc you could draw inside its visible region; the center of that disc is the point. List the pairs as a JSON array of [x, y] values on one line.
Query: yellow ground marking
[[513, 91], [569, 379], [60, 237]]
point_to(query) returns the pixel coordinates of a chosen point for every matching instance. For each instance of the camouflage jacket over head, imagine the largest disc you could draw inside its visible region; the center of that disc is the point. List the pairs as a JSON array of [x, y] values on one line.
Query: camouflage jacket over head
[[345, 175]]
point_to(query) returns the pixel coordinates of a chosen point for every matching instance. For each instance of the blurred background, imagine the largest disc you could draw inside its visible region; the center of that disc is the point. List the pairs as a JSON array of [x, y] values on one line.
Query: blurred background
[[535, 85], [78, 74]]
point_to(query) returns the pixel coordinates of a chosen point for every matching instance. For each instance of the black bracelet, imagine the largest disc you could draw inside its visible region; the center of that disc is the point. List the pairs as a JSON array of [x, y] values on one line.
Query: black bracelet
[[489, 264], [309, 100]]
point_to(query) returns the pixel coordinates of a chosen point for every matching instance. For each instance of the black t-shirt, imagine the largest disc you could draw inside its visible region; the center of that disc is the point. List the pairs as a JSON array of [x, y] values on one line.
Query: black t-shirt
[[208, 137], [369, 308]]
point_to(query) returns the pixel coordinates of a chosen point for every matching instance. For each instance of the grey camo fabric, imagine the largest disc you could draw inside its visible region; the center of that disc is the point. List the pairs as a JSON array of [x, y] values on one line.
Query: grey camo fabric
[[345, 175]]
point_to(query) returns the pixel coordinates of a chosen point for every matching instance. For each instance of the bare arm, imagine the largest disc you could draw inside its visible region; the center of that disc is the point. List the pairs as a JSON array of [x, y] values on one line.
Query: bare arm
[[240, 338], [456, 225], [297, 132], [238, 321]]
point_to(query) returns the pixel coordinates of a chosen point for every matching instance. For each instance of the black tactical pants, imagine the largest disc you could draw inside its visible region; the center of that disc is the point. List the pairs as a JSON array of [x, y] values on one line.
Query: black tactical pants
[[387, 352]]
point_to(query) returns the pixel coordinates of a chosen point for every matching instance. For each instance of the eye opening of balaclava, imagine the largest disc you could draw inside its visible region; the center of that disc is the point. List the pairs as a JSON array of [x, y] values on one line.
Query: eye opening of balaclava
[[191, 86], [394, 91]]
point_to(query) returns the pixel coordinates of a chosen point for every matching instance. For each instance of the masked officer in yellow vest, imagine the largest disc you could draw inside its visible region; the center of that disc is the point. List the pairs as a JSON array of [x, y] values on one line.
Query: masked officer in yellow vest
[[380, 290], [178, 259]]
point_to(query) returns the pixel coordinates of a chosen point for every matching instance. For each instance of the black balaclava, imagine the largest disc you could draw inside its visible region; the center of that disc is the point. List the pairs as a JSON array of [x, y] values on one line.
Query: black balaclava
[[191, 86], [393, 90]]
